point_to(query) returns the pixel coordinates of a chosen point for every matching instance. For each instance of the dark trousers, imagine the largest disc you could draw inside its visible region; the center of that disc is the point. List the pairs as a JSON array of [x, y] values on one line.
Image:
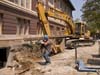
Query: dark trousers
[[46, 56]]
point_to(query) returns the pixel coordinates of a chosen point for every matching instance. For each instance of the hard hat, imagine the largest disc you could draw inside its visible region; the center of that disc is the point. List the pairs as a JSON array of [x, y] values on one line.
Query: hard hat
[[45, 37]]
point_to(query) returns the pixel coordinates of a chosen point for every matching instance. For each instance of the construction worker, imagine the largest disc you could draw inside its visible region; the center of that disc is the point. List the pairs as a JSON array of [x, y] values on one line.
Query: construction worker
[[46, 49]]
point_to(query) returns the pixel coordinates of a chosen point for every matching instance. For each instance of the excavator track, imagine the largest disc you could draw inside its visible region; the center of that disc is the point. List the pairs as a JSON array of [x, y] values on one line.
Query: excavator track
[[72, 43]]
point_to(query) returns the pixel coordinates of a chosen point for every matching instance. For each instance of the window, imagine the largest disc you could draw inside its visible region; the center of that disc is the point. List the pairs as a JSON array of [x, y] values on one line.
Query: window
[[63, 6], [69, 11], [19, 26], [66, 9], [24, 3], [55, 3], [52, 30], [83, 28], [23, 26], [58, 4], [78, 28], [58, 30], [16, 1], [26, 28], [62, 29], [28, 4], [51, 1], [1, 22]]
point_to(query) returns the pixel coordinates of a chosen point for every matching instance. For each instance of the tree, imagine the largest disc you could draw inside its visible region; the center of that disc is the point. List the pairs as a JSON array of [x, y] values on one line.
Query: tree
[[91, 14]]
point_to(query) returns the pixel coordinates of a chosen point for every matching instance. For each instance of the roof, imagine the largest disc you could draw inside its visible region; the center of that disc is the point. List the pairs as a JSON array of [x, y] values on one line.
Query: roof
[[70, 4]]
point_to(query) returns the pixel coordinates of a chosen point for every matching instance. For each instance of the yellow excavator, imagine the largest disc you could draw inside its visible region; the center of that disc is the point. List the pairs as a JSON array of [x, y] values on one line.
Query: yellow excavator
[[45, 11], [82, 36]]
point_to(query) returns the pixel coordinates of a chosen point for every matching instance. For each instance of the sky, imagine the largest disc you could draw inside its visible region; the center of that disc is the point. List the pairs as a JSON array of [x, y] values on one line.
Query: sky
[[78, 5]]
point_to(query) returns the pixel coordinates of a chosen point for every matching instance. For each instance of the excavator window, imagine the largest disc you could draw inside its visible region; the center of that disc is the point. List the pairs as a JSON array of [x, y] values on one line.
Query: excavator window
[[78, 29]]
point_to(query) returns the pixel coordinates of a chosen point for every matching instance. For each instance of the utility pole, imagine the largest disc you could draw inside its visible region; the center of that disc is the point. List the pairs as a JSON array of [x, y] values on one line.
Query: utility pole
[[75, 46]]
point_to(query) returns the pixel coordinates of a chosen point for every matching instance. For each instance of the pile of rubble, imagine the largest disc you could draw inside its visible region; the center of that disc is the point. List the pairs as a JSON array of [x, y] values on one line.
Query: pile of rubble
[[21, 60]]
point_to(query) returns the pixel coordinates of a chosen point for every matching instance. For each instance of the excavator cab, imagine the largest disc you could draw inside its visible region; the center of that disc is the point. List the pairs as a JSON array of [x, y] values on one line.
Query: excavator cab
[[81, 30]]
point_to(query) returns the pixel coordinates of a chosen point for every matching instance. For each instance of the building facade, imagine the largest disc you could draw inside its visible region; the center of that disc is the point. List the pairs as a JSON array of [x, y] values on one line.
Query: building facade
[[19, 17]]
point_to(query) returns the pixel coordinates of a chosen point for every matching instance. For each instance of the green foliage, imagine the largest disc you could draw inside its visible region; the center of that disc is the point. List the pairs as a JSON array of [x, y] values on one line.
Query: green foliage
[[91, 14]]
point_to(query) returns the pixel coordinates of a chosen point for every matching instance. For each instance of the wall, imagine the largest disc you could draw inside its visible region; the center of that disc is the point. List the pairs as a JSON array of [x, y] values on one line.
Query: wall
[[10, 20]]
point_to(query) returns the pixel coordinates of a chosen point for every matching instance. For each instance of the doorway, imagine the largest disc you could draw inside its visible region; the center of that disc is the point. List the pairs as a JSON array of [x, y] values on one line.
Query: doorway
[[3, 57]]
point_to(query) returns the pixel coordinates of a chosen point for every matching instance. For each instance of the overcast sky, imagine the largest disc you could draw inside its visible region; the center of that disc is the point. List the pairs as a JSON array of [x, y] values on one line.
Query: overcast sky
[[78, 5]]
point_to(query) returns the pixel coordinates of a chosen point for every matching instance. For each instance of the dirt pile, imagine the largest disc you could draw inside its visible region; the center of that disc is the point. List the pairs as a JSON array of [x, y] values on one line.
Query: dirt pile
[[22, 60]]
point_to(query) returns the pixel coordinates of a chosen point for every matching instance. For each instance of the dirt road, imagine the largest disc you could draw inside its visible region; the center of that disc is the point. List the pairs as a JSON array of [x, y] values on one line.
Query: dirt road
[[64, 63]]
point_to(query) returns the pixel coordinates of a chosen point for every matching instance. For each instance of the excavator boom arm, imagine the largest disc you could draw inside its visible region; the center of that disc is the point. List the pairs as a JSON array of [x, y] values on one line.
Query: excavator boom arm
[[43, 18], [52, 12]]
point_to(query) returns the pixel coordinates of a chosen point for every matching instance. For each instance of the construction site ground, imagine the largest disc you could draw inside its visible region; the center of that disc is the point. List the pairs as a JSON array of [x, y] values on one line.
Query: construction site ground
[[61, 63]]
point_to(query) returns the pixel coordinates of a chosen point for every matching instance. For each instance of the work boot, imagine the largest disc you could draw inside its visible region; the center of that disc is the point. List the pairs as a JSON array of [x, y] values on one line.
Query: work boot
[[48, 62]]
